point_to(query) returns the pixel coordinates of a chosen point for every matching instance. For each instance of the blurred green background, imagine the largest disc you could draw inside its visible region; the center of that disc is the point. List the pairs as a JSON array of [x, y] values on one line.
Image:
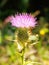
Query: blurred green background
[[8, 7]]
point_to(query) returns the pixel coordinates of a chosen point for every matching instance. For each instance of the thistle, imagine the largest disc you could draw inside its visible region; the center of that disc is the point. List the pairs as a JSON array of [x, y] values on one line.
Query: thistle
[[23, 20], [24, 23]]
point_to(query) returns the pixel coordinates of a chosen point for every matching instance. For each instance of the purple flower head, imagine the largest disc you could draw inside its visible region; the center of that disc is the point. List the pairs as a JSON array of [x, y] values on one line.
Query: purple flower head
[[23, 20]]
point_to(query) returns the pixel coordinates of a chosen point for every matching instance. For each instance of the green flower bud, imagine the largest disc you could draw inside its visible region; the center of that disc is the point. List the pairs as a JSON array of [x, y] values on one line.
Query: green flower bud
[[22, 35]]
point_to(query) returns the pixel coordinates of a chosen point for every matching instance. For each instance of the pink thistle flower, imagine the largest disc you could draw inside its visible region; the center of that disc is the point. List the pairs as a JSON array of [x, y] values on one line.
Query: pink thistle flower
[[23, 20]]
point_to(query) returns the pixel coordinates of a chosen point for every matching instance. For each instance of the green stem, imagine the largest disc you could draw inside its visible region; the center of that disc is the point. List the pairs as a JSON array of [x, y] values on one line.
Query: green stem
[[23, 51]]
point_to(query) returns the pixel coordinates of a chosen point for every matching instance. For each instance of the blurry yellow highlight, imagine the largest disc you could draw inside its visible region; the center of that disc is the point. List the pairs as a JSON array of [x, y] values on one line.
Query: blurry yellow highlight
[[43, 31]]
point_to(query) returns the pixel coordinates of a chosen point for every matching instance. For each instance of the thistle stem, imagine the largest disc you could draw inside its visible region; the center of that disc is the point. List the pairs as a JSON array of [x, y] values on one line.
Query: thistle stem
[[23, 51]]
